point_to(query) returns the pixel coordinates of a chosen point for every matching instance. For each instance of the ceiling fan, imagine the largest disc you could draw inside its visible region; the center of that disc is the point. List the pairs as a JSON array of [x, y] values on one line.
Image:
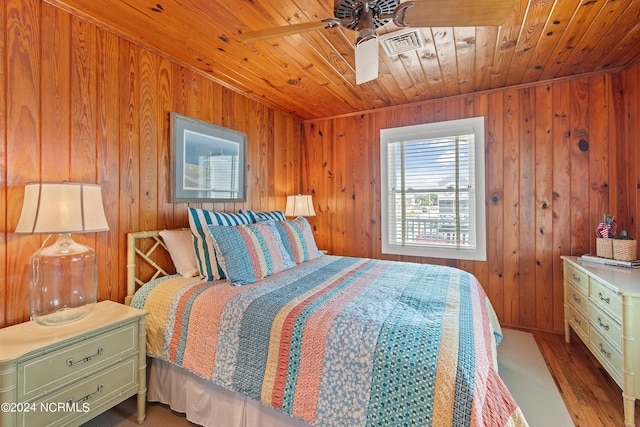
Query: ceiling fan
[[365, 16]]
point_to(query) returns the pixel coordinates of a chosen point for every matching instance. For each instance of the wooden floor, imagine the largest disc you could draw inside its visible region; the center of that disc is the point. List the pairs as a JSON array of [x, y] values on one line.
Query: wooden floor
[[591, 396]]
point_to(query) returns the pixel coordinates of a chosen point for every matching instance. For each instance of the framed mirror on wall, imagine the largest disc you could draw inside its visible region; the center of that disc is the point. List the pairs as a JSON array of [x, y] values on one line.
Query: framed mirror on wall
[[208, 162]]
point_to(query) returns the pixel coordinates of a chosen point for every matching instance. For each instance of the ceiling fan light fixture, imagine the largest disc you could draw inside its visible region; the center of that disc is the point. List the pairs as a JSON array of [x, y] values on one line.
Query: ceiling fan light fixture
[[366, 56], [365, 16]]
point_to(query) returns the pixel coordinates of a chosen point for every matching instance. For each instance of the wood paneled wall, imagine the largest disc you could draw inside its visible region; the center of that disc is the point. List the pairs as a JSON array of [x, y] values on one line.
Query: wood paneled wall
[[82, 104], [558, 156]]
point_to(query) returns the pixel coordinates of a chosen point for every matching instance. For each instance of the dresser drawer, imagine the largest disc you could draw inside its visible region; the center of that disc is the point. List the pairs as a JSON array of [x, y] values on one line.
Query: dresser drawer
[[577, 299], [576, 277], [96, 392], [605, 298], [579, 322], [43, 374], [610, 358], [606, 326]]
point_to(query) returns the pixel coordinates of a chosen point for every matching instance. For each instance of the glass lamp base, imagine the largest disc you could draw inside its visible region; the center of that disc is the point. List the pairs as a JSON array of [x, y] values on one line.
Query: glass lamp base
[[63, 282], [64, 315]]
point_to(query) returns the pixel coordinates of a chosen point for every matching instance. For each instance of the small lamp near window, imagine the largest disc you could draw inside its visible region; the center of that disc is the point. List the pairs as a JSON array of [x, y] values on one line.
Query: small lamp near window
[[300, 205], [63, 284]]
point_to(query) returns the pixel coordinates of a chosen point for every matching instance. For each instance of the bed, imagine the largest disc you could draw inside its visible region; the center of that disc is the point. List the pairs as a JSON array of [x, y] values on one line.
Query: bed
[[316, 340]]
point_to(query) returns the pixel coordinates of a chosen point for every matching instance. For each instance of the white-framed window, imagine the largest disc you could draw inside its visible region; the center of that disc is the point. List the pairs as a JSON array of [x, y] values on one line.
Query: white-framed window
[[433, 194]]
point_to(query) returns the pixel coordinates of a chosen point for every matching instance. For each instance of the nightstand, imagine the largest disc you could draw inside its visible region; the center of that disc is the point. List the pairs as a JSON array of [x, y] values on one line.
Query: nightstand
[[68, 374]]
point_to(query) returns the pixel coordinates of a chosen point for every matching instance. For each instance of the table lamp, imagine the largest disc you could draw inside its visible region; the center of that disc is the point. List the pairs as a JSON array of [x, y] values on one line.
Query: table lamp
[[63, 284], [300, 205]]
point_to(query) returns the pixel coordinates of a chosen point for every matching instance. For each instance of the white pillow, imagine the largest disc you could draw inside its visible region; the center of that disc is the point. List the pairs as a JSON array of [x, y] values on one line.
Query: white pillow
[[180, 246]]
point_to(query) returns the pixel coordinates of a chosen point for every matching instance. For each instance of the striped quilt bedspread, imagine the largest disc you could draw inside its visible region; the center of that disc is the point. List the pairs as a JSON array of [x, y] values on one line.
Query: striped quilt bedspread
[[341, 341]]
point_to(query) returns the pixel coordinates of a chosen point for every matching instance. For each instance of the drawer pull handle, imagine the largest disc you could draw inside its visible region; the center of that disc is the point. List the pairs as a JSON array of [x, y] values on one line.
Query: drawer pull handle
[[603, 299], [603, 325], [576, 278], [71, 363], [576, 320], [605, 352], [576, 299], [71, 400]]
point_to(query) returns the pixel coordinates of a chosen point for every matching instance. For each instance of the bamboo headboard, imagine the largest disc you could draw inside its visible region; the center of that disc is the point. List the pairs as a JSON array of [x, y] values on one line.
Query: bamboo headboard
[[134, 252]]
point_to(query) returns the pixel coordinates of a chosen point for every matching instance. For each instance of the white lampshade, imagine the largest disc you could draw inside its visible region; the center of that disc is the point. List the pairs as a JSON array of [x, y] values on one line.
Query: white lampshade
[[62, 207], [300, 205]]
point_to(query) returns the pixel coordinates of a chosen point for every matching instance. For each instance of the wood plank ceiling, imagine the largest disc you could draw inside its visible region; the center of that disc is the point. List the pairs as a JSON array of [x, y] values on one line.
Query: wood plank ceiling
[[311, 75]]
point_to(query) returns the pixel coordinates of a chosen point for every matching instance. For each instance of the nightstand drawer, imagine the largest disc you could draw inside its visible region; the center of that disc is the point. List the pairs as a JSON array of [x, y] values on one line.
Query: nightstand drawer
[[90, 395], [576, 277], [43, 374], [605, 298], [606, 326]]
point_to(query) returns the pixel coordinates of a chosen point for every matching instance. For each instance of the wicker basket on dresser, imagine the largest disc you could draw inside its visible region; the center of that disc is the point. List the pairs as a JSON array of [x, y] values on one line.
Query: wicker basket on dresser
[[602, 306]]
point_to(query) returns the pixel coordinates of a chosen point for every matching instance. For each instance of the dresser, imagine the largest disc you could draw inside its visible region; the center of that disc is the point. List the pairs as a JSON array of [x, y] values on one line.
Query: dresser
[[68, 374], [602, 307]]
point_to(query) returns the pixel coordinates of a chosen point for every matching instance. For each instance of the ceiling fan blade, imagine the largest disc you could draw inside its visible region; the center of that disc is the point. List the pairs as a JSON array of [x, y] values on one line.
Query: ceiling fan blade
[[287, 30], [458, 13], [367, 60]]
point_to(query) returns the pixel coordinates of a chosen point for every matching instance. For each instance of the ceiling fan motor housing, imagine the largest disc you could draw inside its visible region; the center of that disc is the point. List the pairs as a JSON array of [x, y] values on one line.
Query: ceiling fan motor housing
[[352, 9]]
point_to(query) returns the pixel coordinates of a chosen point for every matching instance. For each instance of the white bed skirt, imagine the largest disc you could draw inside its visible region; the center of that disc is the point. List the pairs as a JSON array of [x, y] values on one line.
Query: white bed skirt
[[207, 404]]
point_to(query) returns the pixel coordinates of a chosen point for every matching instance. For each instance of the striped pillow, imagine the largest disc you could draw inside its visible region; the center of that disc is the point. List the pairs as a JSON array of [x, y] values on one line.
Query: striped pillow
[[199, 220], [298, 240], [263, 216], [248, 253]]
